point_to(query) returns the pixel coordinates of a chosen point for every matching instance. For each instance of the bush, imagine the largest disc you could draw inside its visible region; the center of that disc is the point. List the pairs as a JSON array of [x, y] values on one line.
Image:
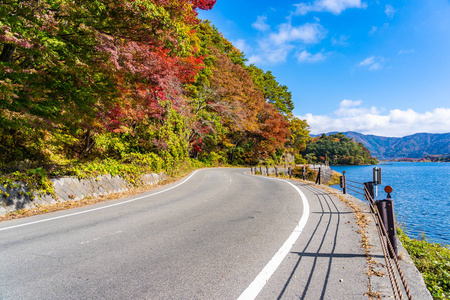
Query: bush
[[433, 261]]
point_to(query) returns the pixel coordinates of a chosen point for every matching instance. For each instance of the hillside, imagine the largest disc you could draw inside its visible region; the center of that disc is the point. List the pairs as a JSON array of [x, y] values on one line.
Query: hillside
[[338, 149], [412, 146]]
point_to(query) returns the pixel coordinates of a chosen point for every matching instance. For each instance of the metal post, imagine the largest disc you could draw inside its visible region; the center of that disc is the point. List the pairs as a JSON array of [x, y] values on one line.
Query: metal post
[[290, 172], [276, 171], [386, 211], [320, 175], [344, 183], [267, 170], [369, 192], [319, 179], [260, 170]]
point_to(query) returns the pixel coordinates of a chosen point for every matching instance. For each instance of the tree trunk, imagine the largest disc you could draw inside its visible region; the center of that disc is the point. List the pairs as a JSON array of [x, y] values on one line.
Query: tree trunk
[[7, 52]]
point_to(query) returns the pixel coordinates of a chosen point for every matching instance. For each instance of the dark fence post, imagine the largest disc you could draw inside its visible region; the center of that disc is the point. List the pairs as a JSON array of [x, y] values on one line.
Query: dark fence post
[[276, 171], [251, 169], [344, 183], [290, 172], [386, 211], [319, 179], [267, 170], [369, 192], [304, 172], [260, 170]]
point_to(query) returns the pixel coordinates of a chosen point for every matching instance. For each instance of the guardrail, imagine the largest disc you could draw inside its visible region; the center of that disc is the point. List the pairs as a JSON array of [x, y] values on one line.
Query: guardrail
[[323, 171], [383, 214]]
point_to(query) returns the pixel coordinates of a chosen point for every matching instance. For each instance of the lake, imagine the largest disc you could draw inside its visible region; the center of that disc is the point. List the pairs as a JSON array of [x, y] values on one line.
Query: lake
[[421, 195]]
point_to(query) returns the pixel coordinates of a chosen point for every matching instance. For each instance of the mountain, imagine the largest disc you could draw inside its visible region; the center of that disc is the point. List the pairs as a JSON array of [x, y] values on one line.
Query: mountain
[[412, 146]]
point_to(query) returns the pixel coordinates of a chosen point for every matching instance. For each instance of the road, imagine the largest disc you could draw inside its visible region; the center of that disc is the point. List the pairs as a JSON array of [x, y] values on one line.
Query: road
[[207, 236]]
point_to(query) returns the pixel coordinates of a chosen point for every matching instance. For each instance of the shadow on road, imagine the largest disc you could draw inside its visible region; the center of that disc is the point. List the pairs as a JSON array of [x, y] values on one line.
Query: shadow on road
[[327, 213]]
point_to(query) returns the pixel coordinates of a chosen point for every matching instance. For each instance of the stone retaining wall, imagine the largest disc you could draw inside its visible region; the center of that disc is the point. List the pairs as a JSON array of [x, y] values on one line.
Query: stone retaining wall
[[69, 188]]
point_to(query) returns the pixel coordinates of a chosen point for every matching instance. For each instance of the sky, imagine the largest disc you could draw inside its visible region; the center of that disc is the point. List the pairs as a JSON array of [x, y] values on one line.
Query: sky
[[375, 67]]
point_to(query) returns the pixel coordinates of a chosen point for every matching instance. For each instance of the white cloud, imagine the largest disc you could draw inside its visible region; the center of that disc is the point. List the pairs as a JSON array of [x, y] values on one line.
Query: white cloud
[[333, 6], [351, 117], [372, 63], [307, 57], [307, 33], [389, 11], [270, 53], [242, 45], [342, 40], [379, 29], [260, 24], [368, 61], [275, 47], [350, 103]]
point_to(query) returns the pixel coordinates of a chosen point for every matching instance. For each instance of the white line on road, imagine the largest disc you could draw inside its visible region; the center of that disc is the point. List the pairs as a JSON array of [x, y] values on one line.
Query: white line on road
[[99, 208], [263, 277]]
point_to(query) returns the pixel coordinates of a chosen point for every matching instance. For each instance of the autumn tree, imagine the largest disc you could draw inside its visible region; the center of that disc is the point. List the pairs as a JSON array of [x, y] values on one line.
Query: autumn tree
[[274, 93], [71, 69]]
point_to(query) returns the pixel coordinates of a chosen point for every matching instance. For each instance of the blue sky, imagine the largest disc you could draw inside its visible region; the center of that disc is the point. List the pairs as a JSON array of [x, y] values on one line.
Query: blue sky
[[376, 67]]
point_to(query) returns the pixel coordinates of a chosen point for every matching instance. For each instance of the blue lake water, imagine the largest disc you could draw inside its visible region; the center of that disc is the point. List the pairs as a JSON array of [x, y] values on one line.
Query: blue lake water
[[421, 195]]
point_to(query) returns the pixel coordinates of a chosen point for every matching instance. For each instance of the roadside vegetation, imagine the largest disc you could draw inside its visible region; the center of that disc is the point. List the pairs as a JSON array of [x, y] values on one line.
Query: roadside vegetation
[[433, 261], [133, 87]]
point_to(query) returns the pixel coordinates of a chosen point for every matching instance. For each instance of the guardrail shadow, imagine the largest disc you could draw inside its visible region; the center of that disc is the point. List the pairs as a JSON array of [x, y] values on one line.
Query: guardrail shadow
[[327, 202]]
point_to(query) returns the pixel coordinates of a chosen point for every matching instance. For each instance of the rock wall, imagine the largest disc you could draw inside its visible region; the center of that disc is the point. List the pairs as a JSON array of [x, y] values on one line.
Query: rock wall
[[69, 188]]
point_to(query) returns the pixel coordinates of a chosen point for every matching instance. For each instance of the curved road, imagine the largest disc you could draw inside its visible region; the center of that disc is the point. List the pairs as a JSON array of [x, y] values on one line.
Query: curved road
[[205, 237]]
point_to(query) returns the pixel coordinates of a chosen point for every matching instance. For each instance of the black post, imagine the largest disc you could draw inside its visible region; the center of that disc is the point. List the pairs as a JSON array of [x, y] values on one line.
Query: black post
[[267, 170], [290, 172], [251, 169], [319, 179], [304, 172], [386, 211], [369, 192], [260, 170], [276, 171], [344, 183]]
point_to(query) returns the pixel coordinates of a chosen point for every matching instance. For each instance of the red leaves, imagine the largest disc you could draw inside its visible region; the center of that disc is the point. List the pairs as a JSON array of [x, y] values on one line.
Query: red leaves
[[203, 4]]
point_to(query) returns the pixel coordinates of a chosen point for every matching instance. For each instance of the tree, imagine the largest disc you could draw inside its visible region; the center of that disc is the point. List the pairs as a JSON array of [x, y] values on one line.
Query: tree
[[274, 93], [77, 68], [339, 149]]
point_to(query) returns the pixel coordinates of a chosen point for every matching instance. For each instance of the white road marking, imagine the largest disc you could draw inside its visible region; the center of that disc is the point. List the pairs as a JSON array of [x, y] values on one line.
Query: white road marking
[[99, 208], [263, 277]]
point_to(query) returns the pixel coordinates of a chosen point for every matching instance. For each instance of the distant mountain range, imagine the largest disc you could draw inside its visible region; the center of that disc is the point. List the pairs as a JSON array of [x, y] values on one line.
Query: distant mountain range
[[412, 146]]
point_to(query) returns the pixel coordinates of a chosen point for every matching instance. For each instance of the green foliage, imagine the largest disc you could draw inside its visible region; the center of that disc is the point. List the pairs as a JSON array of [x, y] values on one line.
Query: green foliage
[[299, 134], [310, 174], [213, 159], [37, 181], [299, 160], [274, 93], [339, 150], [433, 261], [130, 87]]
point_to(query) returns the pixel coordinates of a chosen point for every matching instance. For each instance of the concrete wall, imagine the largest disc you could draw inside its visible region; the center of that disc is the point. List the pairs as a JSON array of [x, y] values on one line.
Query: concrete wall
[[69, 188]]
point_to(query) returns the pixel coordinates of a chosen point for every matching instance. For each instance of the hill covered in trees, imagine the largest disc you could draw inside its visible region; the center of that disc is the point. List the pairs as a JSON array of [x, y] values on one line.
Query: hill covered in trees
[[415, 146], [144, 83], [338, 149]]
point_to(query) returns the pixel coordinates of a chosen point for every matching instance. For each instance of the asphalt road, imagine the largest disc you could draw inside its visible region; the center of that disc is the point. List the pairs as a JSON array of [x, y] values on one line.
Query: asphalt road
[[205, 237]]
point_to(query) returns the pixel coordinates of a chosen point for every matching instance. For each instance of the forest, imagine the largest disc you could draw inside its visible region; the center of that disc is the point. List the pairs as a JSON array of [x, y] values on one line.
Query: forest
[[337, 149], [131, 86]]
